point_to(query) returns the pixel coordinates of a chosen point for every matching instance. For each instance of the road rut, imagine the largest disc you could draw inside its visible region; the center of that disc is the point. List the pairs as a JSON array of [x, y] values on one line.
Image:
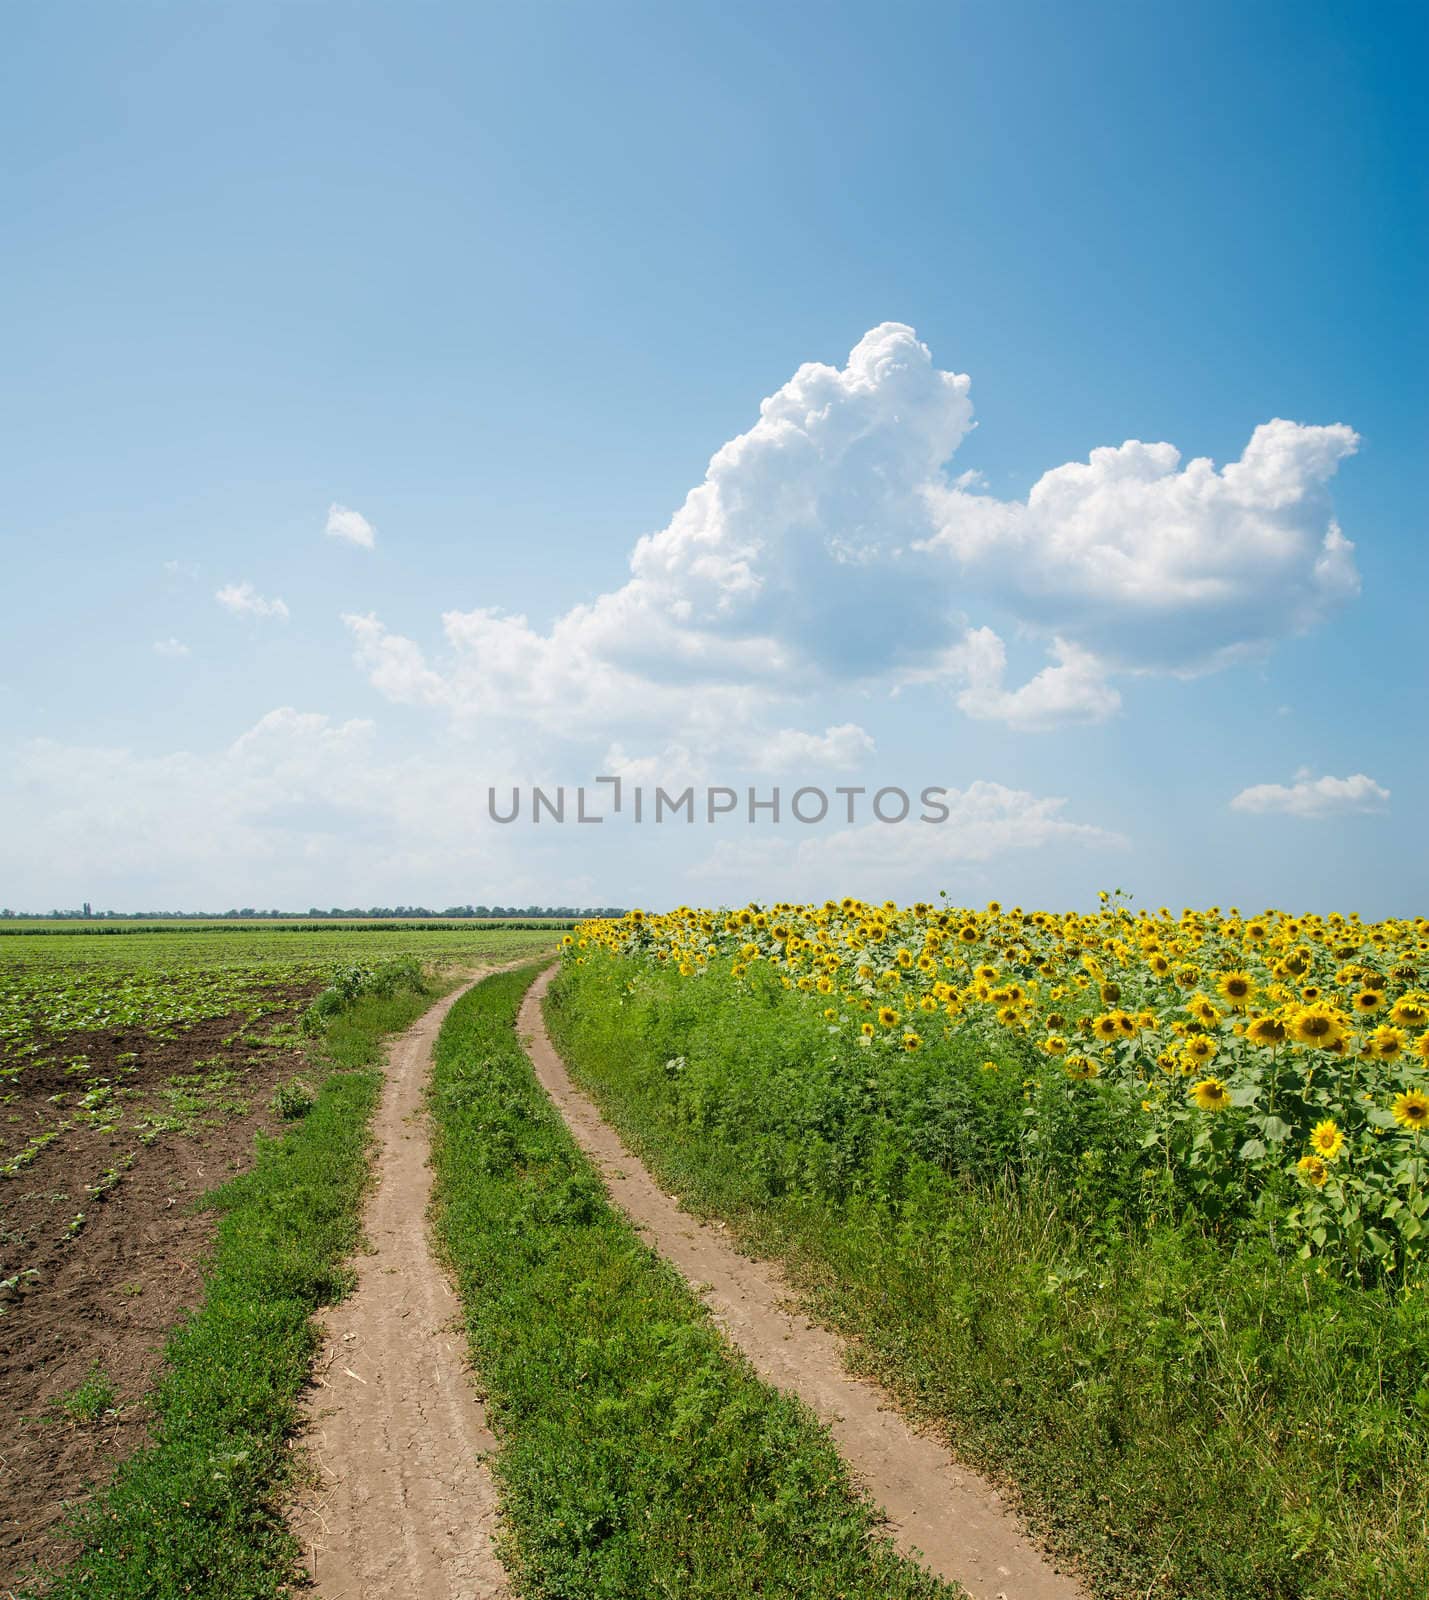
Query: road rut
[[405, 1507], [938, 1510]]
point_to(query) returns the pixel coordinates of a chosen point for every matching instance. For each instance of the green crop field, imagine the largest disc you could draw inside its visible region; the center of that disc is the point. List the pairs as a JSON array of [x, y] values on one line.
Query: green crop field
[[57, 983], [136, 1074]]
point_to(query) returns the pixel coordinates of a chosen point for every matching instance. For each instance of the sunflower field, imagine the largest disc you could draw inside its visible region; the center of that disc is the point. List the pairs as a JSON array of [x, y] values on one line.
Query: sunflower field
[[1265, 1071], [1131, 1205]]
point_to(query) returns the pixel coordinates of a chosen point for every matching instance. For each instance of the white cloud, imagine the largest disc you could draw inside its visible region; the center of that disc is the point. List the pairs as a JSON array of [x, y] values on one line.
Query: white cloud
[[1073, 689], [1160, 569], [828, 547], [242, 599], [300, 809], [297, 809], [674, 769], [395, 665], [175, 648], [345, 523], [842, 747], [1313, 797], [498, 667], [785, 567], [785, 750]]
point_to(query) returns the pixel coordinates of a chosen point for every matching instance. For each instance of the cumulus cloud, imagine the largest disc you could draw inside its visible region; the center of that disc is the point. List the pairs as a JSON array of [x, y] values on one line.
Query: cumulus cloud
[[1313, 797], [499, 667], [786, 750], [673, 769], [1158, 566], [345, 523], [1072, 689], [829, 547], [841, 747], [174, 648], [243, 600], [786, 567]]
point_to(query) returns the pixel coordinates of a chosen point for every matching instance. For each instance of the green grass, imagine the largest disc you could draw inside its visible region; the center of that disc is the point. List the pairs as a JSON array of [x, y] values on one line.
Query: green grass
[[639, 1458], [197, 1512], [92, 1398], [1192, 1417]]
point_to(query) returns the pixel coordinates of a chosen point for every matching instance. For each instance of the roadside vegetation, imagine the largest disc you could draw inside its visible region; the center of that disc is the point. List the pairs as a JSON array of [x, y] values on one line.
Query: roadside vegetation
[[205, 1496], [638, 1456], [1130, 1207]]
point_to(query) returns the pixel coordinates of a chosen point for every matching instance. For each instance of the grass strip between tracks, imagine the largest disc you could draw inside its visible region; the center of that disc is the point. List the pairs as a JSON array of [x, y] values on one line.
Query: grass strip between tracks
[[638, 1455]]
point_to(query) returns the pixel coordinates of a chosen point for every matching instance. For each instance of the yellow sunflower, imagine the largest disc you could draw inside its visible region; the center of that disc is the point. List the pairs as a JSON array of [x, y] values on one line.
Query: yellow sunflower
[[1211, 1094], [1200, 1048], [1202, 1010], [1410, 1011], [1411, 1110], [1386, 1043], [1319, 1025], [1237, 988], [1265, 1030], [1326, 1139], [1313, 1170], [1107, 1026]]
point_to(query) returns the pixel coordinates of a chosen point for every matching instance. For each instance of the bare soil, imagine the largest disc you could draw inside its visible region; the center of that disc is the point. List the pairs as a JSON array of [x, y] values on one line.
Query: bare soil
[[105, 1293], [937, 1510], [403, 1506]]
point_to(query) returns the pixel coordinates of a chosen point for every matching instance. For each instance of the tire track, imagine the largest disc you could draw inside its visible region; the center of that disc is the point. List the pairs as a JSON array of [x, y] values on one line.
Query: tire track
[[405, 1506], [938, 1511]]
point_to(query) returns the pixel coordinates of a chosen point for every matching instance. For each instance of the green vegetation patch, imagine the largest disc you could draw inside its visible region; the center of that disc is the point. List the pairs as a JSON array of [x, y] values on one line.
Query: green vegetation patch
[[55, 984], [638, 1456], [198, 1512]]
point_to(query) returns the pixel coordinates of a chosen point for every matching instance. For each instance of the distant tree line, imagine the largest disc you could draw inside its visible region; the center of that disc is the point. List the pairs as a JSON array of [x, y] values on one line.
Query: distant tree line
[[333, 913]]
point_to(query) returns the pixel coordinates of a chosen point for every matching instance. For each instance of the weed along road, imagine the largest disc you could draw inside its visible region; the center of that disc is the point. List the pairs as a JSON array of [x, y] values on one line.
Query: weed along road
[[938, 1512], [404, 1506]]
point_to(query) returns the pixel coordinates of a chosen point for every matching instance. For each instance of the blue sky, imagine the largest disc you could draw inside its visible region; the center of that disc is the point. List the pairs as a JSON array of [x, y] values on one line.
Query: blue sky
[[502, 280]]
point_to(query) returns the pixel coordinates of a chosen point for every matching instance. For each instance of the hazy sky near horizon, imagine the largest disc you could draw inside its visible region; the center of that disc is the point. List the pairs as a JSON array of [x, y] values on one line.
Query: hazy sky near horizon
[[1021, 399]]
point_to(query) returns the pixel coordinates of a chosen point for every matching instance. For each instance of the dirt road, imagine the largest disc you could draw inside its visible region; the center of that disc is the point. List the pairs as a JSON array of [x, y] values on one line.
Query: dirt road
[[405, 1507]]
